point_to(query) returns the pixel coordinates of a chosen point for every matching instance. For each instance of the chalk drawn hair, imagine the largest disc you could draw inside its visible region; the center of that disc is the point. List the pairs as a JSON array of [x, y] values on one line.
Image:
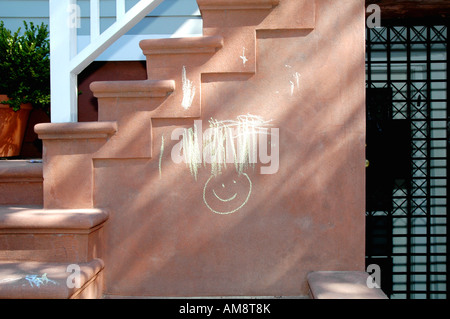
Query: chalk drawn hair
[[226, 141]]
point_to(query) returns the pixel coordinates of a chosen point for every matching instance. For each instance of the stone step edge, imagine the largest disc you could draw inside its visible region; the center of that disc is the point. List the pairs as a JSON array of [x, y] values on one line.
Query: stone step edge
[[236, 4], [40, 280], [133, 89], [342, 285], [188, 45], [21, 171], [77, 130], [33, 219]]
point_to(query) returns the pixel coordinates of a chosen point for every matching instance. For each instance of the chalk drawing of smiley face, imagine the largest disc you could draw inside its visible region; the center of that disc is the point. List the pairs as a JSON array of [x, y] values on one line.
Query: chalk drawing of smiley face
[[227, 198]]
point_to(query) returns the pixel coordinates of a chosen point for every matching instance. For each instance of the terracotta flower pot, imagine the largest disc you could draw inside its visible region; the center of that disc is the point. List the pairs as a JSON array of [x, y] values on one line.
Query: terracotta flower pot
[[12, 128]]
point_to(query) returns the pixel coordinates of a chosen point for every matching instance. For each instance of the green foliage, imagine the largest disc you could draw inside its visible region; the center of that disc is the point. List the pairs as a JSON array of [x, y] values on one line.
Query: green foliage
[[25, 66]]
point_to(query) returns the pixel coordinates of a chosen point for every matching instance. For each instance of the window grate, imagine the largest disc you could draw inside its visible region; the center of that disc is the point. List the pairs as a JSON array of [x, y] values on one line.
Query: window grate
[[407, 149]]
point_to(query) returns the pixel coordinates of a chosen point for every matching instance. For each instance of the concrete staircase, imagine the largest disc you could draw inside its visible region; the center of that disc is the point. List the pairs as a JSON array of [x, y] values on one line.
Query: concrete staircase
[[45, 253], [113, 196]]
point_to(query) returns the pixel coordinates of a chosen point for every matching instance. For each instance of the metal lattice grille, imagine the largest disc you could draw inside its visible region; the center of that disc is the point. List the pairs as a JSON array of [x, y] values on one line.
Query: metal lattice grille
[[407, 149]]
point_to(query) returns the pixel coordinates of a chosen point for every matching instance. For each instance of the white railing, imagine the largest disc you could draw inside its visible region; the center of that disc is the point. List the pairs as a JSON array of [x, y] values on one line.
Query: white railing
[[66, 62]]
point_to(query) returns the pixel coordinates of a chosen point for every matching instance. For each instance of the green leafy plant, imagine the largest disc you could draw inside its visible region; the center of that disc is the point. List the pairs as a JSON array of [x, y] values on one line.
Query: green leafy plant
[[25, 66]]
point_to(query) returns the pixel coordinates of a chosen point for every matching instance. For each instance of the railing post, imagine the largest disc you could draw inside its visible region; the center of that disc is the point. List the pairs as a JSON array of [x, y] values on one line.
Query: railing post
[[95, 19], [66, 63], [113, 33], [64, 20], [120, 9]]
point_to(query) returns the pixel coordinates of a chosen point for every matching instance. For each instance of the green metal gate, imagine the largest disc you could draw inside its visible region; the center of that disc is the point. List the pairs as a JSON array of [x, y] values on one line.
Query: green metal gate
[[407, 151]]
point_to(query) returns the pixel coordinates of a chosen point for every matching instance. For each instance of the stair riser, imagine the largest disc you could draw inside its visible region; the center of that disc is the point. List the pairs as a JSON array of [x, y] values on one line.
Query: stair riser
[[47, 280], [49, 247], [299, 14], [21, 192], [71, 187], [184, 66], [21, 182], [167, 63]]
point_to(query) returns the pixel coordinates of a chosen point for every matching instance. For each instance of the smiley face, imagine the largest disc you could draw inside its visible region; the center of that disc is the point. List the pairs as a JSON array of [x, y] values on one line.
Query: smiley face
[[227, 196], [228, 199]]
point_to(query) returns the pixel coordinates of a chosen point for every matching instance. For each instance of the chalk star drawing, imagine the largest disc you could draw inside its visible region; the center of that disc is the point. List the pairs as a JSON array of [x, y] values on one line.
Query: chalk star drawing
[[243, 57], [38, 281]]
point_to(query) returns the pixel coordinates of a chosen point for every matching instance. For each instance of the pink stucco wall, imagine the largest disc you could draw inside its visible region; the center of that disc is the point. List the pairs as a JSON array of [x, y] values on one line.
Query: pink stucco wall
[[300, 67]]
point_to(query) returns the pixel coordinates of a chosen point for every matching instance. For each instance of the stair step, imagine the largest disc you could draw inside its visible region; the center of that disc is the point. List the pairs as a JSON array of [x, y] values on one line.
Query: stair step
[[78, 130], [42, 280], [134, 104], [170, 58], [133, 89], [34, 218], [236, 4], [342, 285], [207, 44], [50, 235], [68, 170], [21, 182]]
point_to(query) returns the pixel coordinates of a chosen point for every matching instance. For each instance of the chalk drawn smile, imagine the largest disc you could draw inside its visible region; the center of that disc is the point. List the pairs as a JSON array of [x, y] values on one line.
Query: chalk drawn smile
[[225, 200], [233, 202]]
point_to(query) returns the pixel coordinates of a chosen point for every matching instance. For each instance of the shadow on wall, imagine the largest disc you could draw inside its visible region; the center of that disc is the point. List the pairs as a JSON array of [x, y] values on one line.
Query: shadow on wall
[[161, 237], [32, 145]]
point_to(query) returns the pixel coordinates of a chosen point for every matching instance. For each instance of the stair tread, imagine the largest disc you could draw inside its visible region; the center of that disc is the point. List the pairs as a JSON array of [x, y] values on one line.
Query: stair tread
[[41, 280], [76, 130], [24, 170], [342, 285], [138, 88], [204, 44], [35, 217], [237, 4]]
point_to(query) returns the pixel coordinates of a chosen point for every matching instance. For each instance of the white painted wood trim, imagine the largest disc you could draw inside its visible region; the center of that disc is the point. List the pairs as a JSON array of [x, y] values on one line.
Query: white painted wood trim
[[120, 9], [113, 33], [95, 19], [66, 64], [63, 83]]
